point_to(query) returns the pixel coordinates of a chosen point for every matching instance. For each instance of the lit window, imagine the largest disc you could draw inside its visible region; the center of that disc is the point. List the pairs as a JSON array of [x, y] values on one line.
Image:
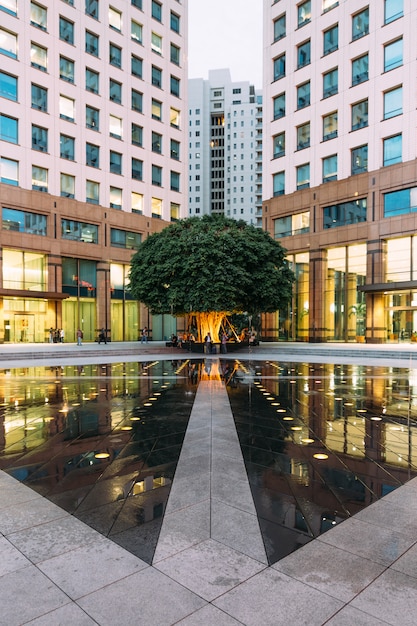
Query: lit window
[[136, 201], [67, 186], [156, 207], [156, 43], [66, 108], [115, 19], [174, 117], [330, 126], [303, 136], [92, 190], [115, 127], [115, 198]]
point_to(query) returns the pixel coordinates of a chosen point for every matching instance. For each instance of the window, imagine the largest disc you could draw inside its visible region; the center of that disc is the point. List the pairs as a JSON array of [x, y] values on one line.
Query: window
[[137, 169], [91, 81], [115, 127], [303, 54], [175, 181], [400, 202], [115, 55], [360, 24], [92, 190], [39, 178], [330, 168], [280, 27], [38, 57], [8, 86], [92, 155], [175, 149], [360, 69], [136, 31], [66, 30], [345, 213], [115, 198], [8, 129], [79, 231], [175, 54], [91, 8], [278, 145], [278, 181], [156, 175], [136, 200], [115, 91], [156, 143], [24, 222], [330, 126], [156, 207], [331, 39], [303, 95], [9, 6], [38, 16], [304, 13], [67, 186], [393, 148], [137, 135], [39, 98], [360, 115], [9, 171], [292, 225], [156, 10], [303, 176], [137, 101], [393, 55], [8, 44], [327, 5], [125, 239], [156, 110], [66, 108], [91, 43], [137, 4], [156, 43], [136, 66], [359, 157], [156, 76], [66, 69], [279, 67], [393, 9], [393, 102], [92, 118], [279, 106], [303, 136], [174, 117], [115, 19], [175, 211], [115, 162], [25, 271], [175, 86], [330, 83], [175, 22]]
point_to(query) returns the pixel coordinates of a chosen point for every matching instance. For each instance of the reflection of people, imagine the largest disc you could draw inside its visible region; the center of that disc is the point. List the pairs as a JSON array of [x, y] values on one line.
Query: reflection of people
[[174, 340], [79, 337], [208, 342], [224, 343], [144, 338]]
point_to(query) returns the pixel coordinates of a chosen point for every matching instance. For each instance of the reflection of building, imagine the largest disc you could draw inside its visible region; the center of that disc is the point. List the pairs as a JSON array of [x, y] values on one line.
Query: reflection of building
[[340, 169], [92, 158]]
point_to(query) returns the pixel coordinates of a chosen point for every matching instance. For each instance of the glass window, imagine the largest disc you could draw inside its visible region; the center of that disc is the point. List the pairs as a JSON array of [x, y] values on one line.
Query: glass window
[[175, 149], [156, 142], [303, 176], [393, 9], [156, 76], [360, 115], [304, 13], [331, 39], [175, 211], [393, 102], [24, 222], [360, 24], [115, 19], [303, 136], [393, 55], [39, 98], [175, 86], [352, 212], [304, 54], [156, 207], [280, 27], [91, 43], [24, 270], [91, 8], [38, 16], [91, 80], [115, 198], [115, 162], [137, 135], [115, 91], [67, 147], [67, 186], [279, 67], [92, 118], [115, 55], [8, 43], [79, 231], [174, 117], [9, 6], [156, 175], [115, 127], [66, 108], [330, 83], [136, 201], [296, 224], [8, 128], [39, 138], [303, 95], [175, 181], [8, 86], [39, 178], [136, 31], [279, 106], [125, 239], [137, 169], [156, 43], [66, 69], [330, 126], [393, 149], [137, 101], [330, 168], [137, 4], [278, 145], [156, 110], [92, 191], [157, 10], [66, 30], [9, 171], [329, 4], [38, 57], [278, 182], [175, 54], [359, 158], [360, 69], [136, 66], [175, 22], [92, 155]]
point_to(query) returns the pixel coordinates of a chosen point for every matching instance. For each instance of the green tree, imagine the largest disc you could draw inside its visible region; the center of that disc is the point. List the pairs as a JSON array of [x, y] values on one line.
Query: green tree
[[211, 267]]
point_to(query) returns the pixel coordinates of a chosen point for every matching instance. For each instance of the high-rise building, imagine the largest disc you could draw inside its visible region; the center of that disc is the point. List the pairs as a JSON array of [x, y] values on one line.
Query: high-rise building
[[340, 168], [225, 148], [92, 158]]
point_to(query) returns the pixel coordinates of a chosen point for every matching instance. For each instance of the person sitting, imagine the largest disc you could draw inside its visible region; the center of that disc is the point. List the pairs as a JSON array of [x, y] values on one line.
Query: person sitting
[[174, 340]]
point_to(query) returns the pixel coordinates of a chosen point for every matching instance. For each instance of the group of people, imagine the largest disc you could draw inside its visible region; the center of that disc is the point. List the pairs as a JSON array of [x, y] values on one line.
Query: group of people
[[182, 341], [56, 335]]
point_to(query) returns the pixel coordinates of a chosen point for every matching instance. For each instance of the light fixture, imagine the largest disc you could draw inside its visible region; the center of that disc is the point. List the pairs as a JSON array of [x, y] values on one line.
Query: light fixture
[[320, 456], [101, 455]]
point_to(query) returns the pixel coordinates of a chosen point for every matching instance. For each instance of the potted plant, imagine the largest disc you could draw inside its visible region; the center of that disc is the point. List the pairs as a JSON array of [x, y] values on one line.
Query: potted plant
[[359, 310]]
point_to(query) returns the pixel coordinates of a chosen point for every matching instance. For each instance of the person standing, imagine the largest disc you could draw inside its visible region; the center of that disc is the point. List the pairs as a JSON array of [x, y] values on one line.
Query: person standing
[[102, 336], [208, 343], [144, 338], [224, 343], [61, 335], [79, 337], [51, 335]]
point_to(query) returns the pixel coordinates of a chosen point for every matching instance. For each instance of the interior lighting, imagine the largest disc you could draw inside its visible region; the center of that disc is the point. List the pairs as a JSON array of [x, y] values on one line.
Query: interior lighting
[[126, 428], [320, 456], [101, 455], [376, 418], [147, 404], [307, 440]]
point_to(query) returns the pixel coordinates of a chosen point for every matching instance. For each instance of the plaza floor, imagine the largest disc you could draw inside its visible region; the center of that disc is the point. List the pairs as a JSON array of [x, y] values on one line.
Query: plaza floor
[[209, 566]]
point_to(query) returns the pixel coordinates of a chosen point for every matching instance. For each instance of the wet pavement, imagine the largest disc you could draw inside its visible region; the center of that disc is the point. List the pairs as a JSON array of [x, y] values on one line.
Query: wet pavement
[[210, 563]]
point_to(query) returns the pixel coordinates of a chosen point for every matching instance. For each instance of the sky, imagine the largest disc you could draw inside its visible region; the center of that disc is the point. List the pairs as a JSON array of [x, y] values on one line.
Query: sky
[[225, 34]]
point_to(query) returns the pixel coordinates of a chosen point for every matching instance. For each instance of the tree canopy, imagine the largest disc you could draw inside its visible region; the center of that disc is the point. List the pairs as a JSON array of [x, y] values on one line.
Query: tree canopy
[[211, 264]]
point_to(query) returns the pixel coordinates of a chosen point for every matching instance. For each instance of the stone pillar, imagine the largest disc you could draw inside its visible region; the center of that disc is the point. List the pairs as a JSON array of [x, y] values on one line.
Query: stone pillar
[[317, 296], [375, 330], [103, 300]]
